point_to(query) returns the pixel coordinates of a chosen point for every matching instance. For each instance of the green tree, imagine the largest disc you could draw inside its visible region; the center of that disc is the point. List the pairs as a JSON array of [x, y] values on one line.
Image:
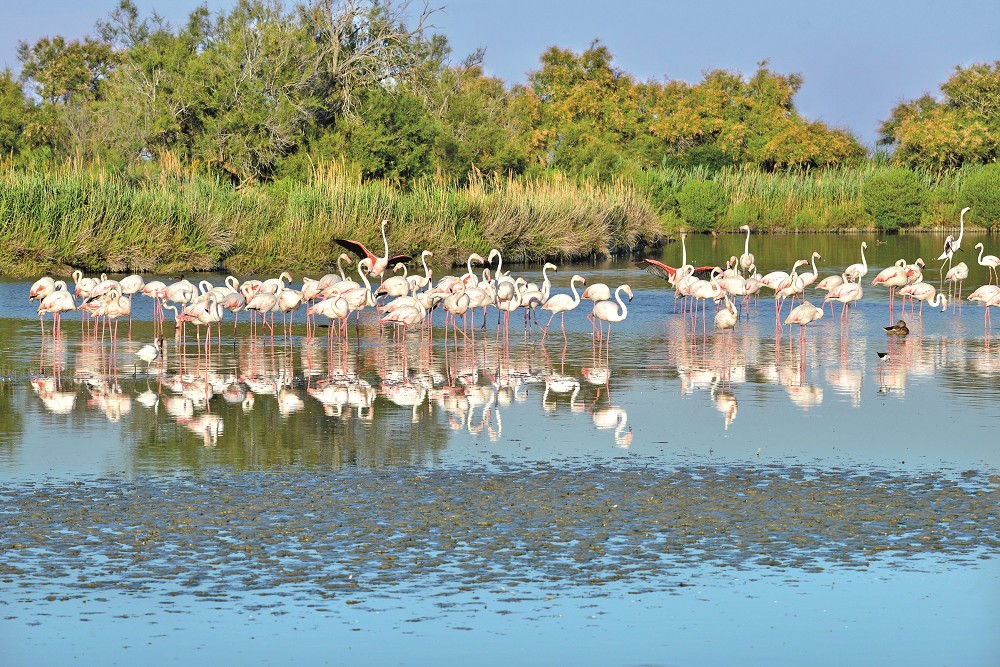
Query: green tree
[[394, 139], [702, 203], [13, 114], [749, 122], [584, 121], [893, 199], [962, 128], [981, 191], [478, 128]]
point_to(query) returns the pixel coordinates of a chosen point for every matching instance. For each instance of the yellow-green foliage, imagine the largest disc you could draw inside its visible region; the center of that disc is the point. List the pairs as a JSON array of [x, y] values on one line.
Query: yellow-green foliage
[[95, 220]]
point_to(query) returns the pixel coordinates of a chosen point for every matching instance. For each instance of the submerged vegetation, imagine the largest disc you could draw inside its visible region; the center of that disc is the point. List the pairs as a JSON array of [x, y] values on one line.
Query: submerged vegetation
[[252, 138]]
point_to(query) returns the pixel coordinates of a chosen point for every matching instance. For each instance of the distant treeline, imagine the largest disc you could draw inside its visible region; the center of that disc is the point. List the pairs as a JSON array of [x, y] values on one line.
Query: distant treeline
[[214, 142]]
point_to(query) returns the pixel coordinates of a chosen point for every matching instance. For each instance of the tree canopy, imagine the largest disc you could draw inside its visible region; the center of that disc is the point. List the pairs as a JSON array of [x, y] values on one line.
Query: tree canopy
[[266, 89], [961, 127]]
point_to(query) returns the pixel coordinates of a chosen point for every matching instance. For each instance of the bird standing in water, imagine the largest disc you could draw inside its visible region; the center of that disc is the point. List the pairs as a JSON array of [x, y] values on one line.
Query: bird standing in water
[[898, 329]]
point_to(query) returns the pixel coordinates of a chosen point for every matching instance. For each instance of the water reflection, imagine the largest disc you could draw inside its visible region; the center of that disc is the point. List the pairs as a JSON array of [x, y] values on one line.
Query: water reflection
[[462, 386]]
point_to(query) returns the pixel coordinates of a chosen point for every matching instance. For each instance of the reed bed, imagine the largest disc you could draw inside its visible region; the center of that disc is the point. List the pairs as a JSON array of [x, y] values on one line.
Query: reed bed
[[167, 217], [99, 221]]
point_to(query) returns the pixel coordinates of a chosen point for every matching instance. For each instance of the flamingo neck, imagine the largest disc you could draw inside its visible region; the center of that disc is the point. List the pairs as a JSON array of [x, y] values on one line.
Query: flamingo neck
[[746, 246], [576, 295], [618, 298], [385, 243]]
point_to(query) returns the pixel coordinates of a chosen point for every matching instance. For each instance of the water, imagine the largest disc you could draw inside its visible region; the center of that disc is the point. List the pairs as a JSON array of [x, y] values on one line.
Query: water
[[679, 497]]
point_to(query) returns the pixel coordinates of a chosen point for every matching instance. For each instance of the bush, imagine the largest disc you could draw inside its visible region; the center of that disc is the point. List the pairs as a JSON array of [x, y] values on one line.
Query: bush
[[982, 192], [893, 198], [702, 203]]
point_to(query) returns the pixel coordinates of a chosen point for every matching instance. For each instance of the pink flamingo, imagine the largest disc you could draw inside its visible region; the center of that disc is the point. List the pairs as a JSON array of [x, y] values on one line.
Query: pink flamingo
[[847, 294], [986, 294], [377, 265], [57, 303], [803, 314], [924, 292], [42, 288], [957, 275], [893, 277]]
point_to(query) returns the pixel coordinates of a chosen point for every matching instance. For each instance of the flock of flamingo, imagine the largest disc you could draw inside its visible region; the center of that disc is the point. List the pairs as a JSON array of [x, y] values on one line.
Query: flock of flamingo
[[409, 300], [740, 280], [399, 300]]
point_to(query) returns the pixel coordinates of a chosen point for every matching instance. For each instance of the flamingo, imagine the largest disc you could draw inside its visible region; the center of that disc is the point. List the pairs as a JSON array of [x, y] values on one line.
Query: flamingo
[[533, 296], [334, 308], [951, 244], [607, 311], [275, 285], [57, 303], [990, 261], [808, 278], [41, 288], [924, 292], [747, 258], [704, 290], [803, 314], [788, 287], [957, 275], [893, 276], [957, 245], [847, 294], [377, 265], [396, 285], [560, 303], [117, 306], [988, 296], [418, 281], [726, 318], [264, 303], [830, 283], [455, 304], [855, 272]]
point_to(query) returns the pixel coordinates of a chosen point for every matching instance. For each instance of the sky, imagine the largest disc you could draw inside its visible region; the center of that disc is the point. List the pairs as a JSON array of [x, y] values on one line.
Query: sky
[[858, 59]]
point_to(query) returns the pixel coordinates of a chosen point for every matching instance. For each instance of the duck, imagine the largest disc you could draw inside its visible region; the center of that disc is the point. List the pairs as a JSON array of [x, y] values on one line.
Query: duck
[[898, 329]]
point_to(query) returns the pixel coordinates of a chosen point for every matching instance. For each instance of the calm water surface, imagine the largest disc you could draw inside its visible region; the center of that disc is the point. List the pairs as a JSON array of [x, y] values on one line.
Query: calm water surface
[[675, 497]]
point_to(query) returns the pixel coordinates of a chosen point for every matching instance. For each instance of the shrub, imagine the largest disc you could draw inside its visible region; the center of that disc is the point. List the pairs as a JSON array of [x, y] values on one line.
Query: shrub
[[981, 191], [893, 198], [702, 203]]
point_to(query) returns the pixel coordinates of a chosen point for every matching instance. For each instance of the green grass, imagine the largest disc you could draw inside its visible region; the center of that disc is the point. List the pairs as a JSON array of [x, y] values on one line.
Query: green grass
[[166, 218]]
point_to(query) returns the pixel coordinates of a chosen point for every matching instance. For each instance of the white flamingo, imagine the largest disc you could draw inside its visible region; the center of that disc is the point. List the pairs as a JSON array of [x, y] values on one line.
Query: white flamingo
[[747, 258], [560, 303], [855, 272], [990, 261]]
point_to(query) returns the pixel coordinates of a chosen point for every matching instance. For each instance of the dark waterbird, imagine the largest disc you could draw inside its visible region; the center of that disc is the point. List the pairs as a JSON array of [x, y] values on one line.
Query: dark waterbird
[[898, 329]]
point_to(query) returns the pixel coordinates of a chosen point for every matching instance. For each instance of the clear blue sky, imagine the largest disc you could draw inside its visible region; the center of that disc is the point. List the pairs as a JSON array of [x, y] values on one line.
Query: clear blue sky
[[858, 58]]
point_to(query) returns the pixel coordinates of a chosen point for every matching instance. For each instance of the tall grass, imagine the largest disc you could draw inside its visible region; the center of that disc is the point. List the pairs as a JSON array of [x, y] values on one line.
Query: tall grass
[[175, 220]]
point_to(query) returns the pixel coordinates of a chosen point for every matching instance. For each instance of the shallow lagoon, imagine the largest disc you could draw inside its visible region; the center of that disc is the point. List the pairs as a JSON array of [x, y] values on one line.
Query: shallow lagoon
[[685, 499]]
